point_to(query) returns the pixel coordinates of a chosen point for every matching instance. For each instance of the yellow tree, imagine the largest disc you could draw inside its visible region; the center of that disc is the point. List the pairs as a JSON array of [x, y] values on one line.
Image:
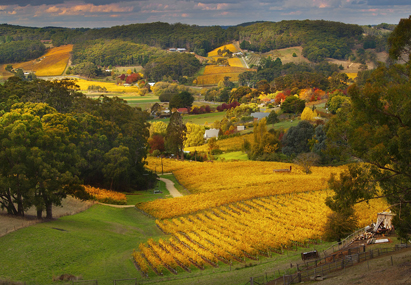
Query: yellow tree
[[158, 128], [194, 135], [308, 114]]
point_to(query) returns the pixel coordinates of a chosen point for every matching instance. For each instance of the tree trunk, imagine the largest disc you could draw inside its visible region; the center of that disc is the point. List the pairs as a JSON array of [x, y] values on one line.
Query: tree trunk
[[49, 208], [39, 213]]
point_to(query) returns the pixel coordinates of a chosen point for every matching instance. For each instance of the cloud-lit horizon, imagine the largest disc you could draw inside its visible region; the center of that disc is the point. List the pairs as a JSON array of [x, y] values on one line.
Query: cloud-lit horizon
[[107, 13]]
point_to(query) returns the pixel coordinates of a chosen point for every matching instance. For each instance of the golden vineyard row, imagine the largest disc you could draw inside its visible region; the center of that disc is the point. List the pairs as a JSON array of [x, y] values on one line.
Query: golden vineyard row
[[241, 230]]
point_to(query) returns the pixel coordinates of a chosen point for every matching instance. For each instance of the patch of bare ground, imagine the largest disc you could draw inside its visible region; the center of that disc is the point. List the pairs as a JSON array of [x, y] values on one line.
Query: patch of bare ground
[[378, 271], [70, 206]]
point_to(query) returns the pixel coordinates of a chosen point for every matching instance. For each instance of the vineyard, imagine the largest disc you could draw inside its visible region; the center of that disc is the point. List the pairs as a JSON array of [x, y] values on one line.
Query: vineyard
[[53, 63], [253, 59], [110, 87], [229, 144], [230, 47], [240, 231], [235, 62], [214, 74]]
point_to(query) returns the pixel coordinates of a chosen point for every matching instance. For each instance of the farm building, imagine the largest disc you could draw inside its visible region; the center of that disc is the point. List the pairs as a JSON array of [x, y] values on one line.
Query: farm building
[[211, 133], [182, 110], [259, 115]]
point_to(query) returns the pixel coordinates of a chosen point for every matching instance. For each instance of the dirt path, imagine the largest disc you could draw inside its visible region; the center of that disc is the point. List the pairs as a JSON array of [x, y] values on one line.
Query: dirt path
[[170, 187], [117, 206]]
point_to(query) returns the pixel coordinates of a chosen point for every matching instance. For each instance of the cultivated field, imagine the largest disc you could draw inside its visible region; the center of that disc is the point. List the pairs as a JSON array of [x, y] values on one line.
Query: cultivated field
[[53, 63], [111, 87], [230, 47], [238, 211], [214, 74], [229, 144], [235, 62]]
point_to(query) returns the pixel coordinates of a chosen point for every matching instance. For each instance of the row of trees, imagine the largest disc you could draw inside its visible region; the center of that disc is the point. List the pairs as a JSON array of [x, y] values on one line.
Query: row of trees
[[18, 51], [54, 139]]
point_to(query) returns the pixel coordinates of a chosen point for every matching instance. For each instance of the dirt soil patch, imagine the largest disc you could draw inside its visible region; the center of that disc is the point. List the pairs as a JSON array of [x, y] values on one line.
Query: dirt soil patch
[[70, 206]]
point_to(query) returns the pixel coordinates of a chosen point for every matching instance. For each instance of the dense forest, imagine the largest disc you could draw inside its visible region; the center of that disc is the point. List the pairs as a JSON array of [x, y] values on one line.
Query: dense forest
[[125, 44], [114, 52]]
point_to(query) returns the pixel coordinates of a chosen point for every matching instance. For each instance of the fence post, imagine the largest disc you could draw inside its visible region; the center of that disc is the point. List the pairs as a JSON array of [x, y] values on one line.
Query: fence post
[[251, 281], [392, 264]]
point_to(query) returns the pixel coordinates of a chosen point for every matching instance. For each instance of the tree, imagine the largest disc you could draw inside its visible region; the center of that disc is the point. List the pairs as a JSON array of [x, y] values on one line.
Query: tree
[[308, 114], [38, 161], [176, 134], [296, 139], [181, 100], [293, 104], [377, 131], [194, 135], [117, 164], [272, 118], [156, 142], [307, 160]]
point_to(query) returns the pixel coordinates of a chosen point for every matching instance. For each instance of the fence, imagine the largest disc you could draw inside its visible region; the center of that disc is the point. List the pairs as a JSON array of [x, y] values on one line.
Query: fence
[[344, 243], [321, 269]]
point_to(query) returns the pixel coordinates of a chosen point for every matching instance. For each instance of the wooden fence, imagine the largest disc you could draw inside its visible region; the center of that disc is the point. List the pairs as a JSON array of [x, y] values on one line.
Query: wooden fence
[[320, 267]]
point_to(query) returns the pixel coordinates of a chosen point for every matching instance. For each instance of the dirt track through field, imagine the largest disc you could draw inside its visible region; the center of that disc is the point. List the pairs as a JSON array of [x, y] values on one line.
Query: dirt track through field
[[170, 187]]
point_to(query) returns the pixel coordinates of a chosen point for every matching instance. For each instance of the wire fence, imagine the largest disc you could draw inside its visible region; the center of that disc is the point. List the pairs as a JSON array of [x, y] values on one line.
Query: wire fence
[[317, 269]]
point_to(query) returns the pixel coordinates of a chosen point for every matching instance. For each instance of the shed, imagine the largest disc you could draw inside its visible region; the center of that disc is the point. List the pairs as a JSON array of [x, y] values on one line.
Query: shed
[[384, 219], [240, 128], [211, 133]]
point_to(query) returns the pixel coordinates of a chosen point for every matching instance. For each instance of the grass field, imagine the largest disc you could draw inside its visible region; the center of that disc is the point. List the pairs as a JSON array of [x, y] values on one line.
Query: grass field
[[235, 155], [95, 244], [53, 63], [199, 119], [286, 55]]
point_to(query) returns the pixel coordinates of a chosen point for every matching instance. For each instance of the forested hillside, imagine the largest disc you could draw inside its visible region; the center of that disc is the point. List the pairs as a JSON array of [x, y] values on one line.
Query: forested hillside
[[320, 39], [114, 52]]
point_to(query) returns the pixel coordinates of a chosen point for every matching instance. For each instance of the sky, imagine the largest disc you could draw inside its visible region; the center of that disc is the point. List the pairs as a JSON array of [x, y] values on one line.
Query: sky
[[108, 13]]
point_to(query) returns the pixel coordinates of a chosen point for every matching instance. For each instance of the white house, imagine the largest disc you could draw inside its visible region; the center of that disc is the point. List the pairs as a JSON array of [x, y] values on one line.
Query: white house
[[181, 49], [211, 133]]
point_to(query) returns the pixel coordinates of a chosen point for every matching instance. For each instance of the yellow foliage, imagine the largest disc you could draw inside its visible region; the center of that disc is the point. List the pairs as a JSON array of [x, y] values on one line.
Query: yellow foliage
[[235, 61], [194, 135], [230, 47], [214, 74], [308, 114], [230, 144], [247, 228], [352, 75], [106, 196], [53, 63], [111, 87], [158, 128]]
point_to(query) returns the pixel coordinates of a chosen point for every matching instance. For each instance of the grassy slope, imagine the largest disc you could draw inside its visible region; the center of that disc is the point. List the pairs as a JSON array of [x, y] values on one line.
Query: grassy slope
[[198, 119], [96, 244]]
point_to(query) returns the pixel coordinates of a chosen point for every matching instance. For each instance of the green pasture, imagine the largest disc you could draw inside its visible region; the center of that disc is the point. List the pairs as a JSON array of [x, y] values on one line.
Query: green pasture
[[235, 155], [199, 119]]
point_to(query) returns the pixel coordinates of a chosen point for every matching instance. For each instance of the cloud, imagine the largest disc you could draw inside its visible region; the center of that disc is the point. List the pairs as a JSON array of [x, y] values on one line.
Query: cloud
[[106, 13]]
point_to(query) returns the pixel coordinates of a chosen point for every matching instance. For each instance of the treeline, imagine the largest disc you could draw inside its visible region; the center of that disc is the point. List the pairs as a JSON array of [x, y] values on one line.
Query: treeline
[[18, 51], [114, 52], [291, 75], [175, 65], [54, 139], [319, 39]]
